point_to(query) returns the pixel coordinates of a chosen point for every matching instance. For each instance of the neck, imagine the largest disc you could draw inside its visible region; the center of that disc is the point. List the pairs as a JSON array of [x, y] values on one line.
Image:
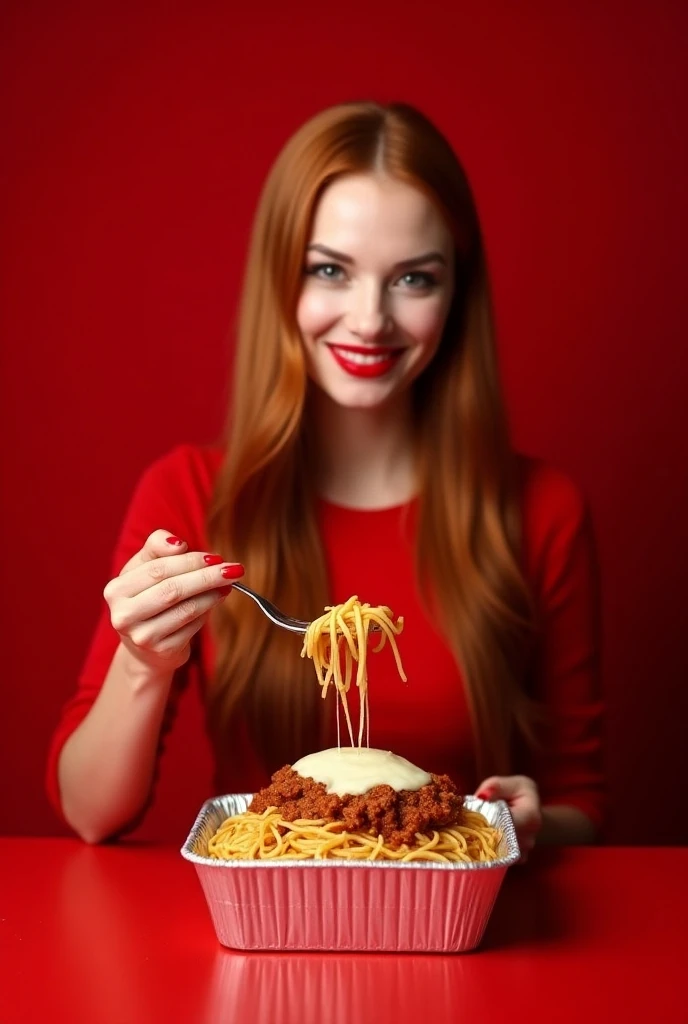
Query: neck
[[364, 457]]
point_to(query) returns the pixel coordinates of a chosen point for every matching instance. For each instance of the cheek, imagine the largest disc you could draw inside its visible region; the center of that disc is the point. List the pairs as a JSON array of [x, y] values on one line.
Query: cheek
[[317, 311], [424, 322]]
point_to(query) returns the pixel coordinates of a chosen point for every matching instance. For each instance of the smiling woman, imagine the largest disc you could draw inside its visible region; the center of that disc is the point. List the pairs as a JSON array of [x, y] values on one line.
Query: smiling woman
[[376, 307], [366, 453]]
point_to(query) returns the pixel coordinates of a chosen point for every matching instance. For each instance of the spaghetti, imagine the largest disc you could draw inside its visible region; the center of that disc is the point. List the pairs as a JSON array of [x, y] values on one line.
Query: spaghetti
[[343, 632], [351, 804], [267, 836]]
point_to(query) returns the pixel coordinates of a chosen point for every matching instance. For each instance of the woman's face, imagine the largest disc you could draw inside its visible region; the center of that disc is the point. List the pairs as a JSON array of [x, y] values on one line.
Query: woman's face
[[378, 284]]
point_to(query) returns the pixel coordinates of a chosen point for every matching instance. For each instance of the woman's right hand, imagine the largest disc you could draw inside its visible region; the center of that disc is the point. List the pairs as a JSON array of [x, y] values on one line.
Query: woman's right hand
[[163, 596]]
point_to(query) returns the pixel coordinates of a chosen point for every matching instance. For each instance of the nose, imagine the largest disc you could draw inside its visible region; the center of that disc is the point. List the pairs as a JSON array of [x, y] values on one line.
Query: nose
[[368, 318]]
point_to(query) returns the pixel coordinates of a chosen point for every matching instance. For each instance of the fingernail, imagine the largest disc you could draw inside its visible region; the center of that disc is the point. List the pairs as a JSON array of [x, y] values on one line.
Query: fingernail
[[174, 540], [224, 591], [213, 559], [232, 572], [486, 794]]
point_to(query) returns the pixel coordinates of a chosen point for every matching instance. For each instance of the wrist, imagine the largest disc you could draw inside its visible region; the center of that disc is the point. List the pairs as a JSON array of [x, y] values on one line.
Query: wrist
[[142, 675], [565, 824]]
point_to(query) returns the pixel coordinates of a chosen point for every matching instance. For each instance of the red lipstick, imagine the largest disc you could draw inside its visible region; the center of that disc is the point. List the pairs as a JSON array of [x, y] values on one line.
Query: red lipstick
[[366, 362]]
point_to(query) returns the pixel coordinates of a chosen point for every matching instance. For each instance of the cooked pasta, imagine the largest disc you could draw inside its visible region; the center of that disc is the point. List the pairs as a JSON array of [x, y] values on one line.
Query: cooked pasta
[[267, 836], [342, 632], [350, 804]]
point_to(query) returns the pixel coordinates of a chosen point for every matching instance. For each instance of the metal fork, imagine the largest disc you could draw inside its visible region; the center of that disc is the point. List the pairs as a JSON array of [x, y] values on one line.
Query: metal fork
[[275, 615]]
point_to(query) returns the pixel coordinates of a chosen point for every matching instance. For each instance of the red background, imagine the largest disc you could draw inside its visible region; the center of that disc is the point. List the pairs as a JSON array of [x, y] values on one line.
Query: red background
[[136, 140]]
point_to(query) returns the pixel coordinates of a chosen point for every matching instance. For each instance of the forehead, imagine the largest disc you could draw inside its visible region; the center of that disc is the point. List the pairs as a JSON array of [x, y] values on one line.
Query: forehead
[[361, 211]]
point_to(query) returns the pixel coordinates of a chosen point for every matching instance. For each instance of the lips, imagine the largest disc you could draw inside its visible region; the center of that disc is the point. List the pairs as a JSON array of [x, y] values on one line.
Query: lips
[[371, 361]]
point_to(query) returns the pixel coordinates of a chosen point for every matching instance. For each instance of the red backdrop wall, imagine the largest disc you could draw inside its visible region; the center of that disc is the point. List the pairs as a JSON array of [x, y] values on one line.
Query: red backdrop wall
[[136, 144]]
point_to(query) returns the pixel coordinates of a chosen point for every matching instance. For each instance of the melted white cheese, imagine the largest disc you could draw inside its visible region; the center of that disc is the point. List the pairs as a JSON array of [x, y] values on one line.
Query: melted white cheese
[[350, 771]]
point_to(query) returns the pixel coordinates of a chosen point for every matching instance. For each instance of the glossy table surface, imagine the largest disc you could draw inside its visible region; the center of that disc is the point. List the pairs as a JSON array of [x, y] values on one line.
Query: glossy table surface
[[122, 934]]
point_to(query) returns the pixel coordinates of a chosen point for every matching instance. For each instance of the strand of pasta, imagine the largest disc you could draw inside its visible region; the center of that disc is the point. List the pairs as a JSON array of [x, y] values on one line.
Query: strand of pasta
[[343, 630], [267, 836]]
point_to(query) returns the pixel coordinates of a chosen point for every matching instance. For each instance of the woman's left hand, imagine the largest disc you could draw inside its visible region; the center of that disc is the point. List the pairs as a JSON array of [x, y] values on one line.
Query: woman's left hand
[[521, 795]]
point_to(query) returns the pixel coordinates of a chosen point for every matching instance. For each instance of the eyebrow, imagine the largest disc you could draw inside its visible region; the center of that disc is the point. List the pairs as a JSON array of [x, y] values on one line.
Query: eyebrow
[[426, 257]]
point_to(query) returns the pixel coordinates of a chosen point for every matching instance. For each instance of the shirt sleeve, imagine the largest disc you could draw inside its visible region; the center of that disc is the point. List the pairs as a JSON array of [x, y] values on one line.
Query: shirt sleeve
[[568, 763], [159, 501]]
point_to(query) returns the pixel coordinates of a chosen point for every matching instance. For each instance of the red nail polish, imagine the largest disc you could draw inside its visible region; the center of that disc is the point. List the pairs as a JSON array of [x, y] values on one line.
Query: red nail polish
[[213, 559], [232, 572], [224, 591], [486, 794], [174, 540]]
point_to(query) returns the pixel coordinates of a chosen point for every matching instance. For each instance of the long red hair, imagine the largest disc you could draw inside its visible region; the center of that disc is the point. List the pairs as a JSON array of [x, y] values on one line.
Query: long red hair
[[262, 513]]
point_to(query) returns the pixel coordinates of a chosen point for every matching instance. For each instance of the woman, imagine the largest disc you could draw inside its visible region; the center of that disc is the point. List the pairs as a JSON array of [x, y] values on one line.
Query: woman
[[366, 453]]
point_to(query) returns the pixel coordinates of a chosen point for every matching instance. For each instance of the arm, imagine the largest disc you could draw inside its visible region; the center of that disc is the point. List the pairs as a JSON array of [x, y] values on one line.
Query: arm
[[157, 604], [559, 797], [105, 770], [104, 753], [563, 824], [567, 764]]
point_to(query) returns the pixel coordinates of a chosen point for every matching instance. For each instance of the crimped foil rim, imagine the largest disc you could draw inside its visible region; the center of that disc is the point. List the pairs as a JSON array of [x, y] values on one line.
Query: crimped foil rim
[[496, 812]]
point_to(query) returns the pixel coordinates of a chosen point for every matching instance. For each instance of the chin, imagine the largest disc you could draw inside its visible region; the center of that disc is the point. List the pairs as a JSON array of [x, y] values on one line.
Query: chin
[[363, 397]]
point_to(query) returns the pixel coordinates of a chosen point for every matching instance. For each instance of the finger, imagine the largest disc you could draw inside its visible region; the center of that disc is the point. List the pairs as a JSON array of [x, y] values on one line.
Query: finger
[[171, 591], [163, 632], [183, 637], [506, 787], [145, 575], [520, 794], [153, 570], [174, 645], [157, 545], [490, 789]]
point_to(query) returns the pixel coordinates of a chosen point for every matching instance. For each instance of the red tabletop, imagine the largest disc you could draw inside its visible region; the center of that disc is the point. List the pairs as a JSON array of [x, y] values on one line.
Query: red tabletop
[[122, 934]]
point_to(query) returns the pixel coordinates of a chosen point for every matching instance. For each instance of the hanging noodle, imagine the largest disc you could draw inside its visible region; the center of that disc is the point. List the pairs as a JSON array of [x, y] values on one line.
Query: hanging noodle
[[343, 631], [341, 636]]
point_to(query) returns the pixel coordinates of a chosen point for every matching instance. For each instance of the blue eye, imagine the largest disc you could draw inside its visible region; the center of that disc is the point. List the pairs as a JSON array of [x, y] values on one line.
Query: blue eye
[[418, 280], [326, 271]]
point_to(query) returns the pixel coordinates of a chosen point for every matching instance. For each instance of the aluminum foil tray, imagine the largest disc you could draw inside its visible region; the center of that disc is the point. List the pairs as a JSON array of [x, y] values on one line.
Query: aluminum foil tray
[[383, 906]]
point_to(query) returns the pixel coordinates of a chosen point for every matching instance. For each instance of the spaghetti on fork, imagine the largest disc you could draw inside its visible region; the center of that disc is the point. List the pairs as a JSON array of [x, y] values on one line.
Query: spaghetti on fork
[[342, 634]]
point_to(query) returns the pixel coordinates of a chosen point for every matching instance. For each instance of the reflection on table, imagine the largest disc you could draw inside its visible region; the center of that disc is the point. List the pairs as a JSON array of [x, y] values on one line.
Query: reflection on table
[[122, 934]]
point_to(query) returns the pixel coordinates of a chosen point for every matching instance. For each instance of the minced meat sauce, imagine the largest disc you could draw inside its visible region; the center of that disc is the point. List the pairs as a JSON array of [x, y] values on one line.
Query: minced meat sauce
[[397, 815]]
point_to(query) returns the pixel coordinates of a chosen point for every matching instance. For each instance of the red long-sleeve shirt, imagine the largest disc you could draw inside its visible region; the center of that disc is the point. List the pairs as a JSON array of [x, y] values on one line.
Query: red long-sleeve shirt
[[427, 720]]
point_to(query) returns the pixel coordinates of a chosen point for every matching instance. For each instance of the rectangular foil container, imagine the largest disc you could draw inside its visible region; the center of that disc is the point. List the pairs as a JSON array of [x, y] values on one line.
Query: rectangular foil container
[[374, 906]]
